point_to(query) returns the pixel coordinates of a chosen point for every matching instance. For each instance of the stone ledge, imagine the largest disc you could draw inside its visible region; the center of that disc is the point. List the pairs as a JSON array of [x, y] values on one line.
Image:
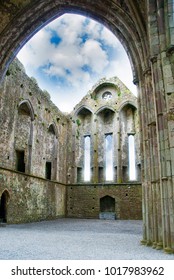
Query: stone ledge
[[30, 175]]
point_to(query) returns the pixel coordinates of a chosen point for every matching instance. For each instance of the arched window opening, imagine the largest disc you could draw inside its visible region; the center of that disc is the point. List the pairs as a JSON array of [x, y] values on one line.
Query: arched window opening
[[3, 206], [132, 159], [51, 129], [84, 117], [25, 108], [24, 137], [106, 115], [109, 173], [51, 153], [87, 158]]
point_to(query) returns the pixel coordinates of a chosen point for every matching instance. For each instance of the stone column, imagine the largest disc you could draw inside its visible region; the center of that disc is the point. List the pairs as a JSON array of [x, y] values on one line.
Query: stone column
[[30, 147], [164, 154], [94, 152], [167, 144], [158, 21], [116, 144], [119, 152]]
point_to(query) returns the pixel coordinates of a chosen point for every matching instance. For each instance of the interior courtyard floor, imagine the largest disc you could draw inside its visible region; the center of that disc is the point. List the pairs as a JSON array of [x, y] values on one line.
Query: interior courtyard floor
[[77, 239]]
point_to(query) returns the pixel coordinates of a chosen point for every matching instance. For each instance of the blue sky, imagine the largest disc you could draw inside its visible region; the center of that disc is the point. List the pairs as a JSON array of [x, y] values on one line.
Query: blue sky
[[70, 55]]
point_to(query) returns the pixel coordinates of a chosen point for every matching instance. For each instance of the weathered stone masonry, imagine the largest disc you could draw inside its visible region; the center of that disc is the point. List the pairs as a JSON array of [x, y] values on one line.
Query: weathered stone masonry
[[146, 31], [33, 133], [38, 158], [98, 116]]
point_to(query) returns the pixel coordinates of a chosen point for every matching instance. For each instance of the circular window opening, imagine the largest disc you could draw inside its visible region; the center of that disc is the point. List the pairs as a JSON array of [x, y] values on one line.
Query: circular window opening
[[107, 95]]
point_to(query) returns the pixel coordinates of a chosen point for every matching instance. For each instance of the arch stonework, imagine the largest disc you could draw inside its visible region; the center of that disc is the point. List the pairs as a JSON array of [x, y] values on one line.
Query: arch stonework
[[29, 106], [145, 30], [4, 200]]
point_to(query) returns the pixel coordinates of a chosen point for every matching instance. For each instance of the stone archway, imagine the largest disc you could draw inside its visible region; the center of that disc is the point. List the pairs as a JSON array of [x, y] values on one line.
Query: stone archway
[[3, 206], [116, 16], [146, 33], [107, 208]]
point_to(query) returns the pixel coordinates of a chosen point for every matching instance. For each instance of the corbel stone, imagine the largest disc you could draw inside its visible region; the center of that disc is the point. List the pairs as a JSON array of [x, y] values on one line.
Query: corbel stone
[[170, 50]]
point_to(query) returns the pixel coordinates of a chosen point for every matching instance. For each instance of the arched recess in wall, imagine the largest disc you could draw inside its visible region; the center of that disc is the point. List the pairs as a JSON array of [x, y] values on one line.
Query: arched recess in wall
[[105, 134], [24, 136], [106, 114], [105, 90], [129, 143], [4, 200], [83, 141], [51, 153], [107, 207]]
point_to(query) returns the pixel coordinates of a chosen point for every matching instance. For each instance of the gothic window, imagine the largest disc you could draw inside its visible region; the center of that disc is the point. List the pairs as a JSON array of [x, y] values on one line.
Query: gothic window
[[51, 129], [24, 136], [109, 157], [132, 167], [87, 158], [51, 153], [3, 206]]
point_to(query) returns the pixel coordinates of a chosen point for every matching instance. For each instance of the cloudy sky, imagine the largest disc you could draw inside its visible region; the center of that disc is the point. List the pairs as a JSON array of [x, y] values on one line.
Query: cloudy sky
[[70, 55]]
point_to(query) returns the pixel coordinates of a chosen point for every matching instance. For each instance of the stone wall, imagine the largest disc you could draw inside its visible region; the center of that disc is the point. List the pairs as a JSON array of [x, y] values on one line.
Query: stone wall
[[146, 32], [31, 198], [83, 201], [32, 124], [109, 108]]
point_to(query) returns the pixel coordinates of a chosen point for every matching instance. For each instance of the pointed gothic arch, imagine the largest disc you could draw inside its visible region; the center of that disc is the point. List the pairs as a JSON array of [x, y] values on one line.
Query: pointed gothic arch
[[24, 135], [26, 107], [4, 200], [53, 129], [145, 31], [83, 110]]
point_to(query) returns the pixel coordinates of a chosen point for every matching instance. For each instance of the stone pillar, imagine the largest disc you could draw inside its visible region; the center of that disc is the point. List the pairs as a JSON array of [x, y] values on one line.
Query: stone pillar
[[116, 144], [71, 155], [119, 152], [30, 147], [161, 67], [167, 146], [166, 189], [154, 164], [94, 152], [146, 186]]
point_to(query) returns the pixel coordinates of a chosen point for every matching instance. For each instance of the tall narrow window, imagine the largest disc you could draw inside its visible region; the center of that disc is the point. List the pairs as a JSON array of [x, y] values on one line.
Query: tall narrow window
[[87, 158], [109, 157], [20, 162], [132, 167], [48, 170]]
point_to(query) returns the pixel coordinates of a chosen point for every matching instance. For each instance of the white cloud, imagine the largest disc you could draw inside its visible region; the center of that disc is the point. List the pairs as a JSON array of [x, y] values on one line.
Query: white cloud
[[95, 56], [81, 44]]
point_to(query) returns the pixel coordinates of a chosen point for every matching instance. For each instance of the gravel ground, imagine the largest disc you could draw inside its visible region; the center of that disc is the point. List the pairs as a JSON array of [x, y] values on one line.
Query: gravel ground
[[76, 239]]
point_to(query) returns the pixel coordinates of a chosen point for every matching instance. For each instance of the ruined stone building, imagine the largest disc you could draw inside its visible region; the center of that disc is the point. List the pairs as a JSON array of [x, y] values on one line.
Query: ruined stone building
[[42, 153], [39, 179]]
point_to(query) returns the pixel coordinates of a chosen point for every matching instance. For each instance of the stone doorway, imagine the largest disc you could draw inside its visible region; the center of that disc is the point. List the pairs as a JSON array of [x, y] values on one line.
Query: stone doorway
[[107, 208], [3, 206]]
